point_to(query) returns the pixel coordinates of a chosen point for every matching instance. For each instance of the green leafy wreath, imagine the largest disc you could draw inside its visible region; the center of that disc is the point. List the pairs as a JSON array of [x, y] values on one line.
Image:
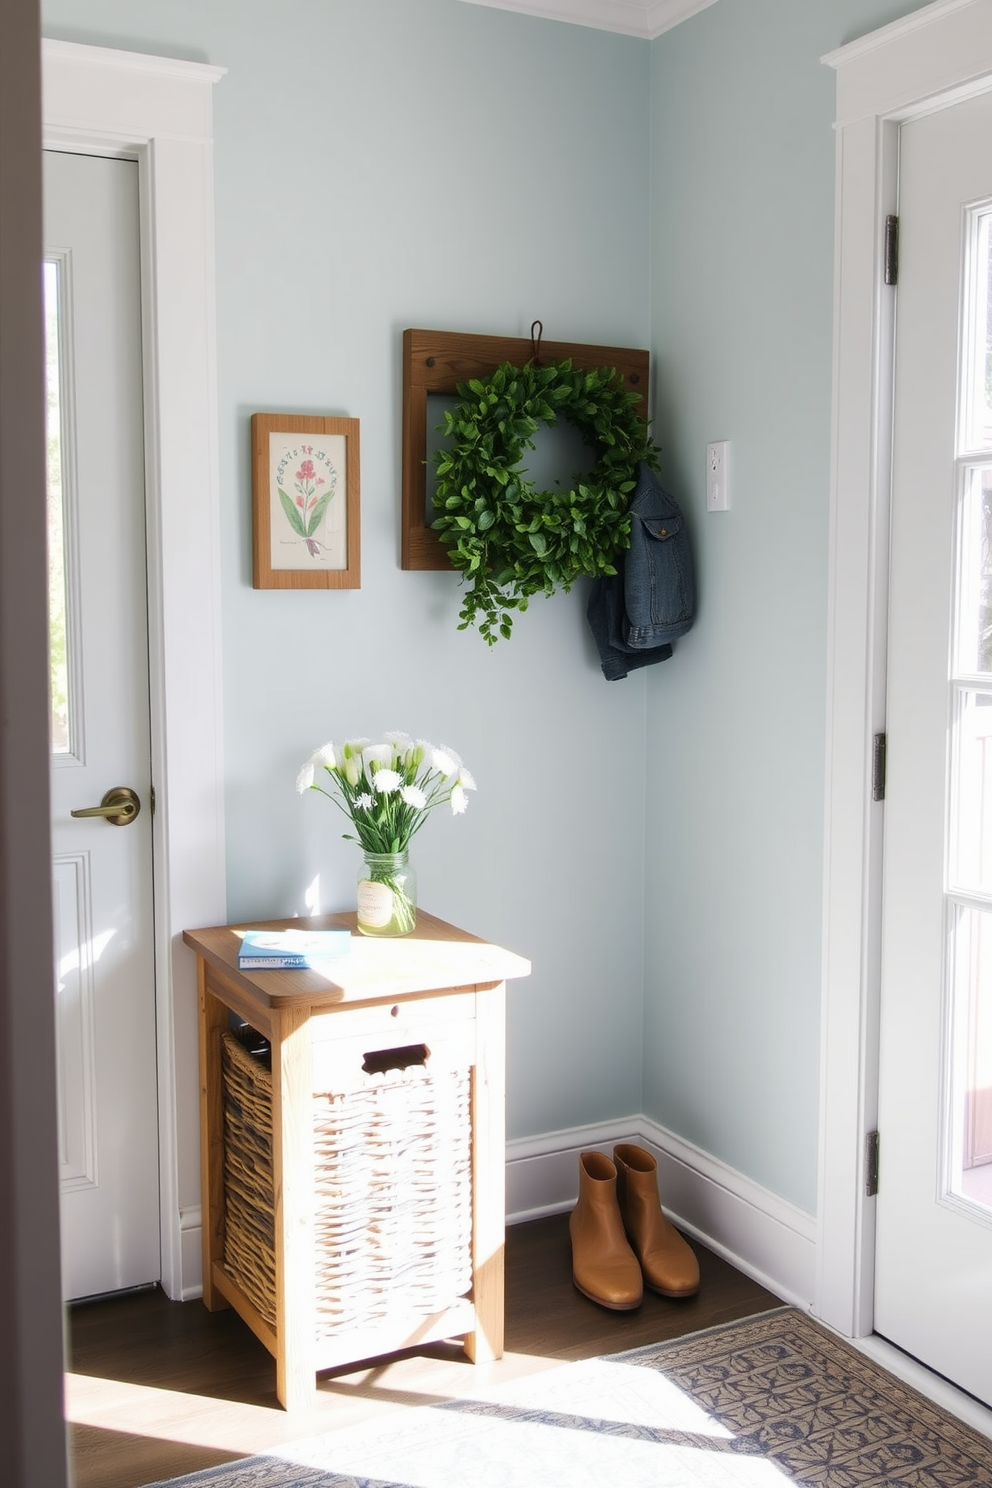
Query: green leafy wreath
[[509, 539]]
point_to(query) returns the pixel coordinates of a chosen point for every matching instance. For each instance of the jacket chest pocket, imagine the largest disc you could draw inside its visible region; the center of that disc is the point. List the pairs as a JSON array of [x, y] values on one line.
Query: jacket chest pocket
[[660, 586]]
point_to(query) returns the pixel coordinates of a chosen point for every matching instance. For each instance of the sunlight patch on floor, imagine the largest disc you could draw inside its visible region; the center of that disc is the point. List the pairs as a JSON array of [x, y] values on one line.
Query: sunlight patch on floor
[[604, 1389], [231, 1426], [588, 1423]]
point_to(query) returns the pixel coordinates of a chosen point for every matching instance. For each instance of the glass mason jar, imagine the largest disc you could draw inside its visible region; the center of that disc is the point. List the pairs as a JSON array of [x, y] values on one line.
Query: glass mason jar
[[387, 894]]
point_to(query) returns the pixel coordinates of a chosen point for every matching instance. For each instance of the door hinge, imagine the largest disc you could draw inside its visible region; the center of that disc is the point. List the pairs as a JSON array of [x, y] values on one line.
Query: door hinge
[[878, 768], [871, 1164], [891, 249]]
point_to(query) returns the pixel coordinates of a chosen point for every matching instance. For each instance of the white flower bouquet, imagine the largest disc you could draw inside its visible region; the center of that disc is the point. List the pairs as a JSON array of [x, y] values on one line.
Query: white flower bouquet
[[387, 790]]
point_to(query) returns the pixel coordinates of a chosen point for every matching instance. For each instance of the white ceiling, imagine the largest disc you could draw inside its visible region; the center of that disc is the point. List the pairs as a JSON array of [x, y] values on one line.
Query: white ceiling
[[647, 18]]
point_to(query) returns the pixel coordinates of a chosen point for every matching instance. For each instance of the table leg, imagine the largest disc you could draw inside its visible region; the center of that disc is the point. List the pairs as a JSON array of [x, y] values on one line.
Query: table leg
[[292, 1173], [212, 1022], [488, 1180]]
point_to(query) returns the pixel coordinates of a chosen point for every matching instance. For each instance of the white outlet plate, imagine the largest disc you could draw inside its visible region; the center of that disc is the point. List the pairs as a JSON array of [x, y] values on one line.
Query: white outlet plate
[[718, 475]]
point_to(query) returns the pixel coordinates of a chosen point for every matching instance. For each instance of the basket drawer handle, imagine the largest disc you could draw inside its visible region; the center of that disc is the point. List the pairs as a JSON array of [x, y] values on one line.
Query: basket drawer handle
[[381, 1060]]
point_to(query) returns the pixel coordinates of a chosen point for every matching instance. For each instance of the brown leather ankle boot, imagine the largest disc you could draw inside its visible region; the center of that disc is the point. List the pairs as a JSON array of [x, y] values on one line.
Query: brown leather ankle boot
[[604, 1268], [669, 1266]]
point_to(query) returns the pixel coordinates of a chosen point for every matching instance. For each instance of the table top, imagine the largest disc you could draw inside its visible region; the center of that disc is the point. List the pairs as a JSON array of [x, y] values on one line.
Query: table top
[[436, 957]]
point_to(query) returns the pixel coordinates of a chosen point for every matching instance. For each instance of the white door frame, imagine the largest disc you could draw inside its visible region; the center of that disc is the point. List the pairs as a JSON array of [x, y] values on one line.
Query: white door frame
[[934, 57], [158, 111]]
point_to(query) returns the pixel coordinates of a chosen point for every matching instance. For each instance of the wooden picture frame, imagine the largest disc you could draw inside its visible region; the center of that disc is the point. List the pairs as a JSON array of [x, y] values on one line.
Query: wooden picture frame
[[305, 502], [435, 362]]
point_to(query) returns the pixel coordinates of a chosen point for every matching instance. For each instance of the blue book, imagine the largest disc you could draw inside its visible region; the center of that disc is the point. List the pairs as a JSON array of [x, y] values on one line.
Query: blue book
[[282, 950]]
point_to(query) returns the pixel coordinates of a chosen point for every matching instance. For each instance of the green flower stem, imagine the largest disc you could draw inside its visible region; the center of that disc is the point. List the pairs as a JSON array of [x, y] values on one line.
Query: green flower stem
[[403, 918], [391, 825]]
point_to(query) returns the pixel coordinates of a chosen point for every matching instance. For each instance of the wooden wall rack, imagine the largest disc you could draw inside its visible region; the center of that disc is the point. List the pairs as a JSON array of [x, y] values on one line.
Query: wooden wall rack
[[435, 362]]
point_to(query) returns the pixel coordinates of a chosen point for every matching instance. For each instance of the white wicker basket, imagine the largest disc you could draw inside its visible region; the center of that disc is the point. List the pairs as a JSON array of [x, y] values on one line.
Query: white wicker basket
[[392, 1191]]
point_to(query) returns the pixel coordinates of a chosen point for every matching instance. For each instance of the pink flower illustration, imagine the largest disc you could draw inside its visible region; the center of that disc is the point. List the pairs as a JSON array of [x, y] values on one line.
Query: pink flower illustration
[[306, 504]]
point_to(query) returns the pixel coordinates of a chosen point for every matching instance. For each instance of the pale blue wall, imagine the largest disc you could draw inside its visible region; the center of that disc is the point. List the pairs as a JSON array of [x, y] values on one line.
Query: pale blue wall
[[383, 164], [742, 186]]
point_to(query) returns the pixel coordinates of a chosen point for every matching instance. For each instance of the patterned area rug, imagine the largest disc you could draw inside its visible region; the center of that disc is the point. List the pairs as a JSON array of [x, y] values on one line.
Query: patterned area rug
[[763, 1403]]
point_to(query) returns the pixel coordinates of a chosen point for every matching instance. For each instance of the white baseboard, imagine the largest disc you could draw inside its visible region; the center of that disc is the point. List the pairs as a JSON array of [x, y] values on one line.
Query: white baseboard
[[767, 1238], [761, 1234], [542, 1172], [191, 1250]]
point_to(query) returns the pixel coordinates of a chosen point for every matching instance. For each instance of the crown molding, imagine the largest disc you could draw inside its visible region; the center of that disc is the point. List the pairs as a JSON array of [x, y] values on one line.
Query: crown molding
[[643, 18]]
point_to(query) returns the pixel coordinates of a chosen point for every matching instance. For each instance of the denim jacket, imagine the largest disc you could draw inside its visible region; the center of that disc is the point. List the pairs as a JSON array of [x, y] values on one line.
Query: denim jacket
[[636, 615]]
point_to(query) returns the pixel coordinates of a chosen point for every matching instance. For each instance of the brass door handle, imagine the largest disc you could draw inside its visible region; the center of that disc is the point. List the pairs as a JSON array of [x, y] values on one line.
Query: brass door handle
[[118, 808]]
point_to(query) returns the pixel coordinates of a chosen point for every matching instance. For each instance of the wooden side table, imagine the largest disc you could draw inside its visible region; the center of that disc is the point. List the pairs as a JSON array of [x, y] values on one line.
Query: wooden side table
[[439, 987]]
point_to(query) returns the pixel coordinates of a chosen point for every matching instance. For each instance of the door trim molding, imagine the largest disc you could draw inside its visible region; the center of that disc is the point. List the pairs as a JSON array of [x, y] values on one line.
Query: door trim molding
[[158, 111], [933, 58]]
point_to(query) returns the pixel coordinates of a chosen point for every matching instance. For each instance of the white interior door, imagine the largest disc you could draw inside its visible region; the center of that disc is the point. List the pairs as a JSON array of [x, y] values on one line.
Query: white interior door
[[100, 728], [933, 1277]]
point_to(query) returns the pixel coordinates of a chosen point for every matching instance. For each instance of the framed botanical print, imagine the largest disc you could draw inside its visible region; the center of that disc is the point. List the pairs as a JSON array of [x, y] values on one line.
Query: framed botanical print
[[305, 502]]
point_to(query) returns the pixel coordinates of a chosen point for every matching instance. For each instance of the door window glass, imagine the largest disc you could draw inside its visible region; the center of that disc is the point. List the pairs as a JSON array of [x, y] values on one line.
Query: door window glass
[[974, 629], [971, 957], [58, 639], [977, 339]]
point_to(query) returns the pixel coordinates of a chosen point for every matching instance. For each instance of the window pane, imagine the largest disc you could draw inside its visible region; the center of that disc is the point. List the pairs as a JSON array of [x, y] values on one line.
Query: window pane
[[971, 1175], [974, 622], [978, 359], [58, 668], [971, 838]]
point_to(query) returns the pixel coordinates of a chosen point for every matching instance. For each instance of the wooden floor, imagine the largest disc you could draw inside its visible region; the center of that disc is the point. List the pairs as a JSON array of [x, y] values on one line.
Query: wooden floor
[[159, 1388]]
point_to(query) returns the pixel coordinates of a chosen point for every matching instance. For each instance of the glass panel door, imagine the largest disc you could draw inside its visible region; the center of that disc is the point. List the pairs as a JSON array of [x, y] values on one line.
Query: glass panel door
[[933, 1211], [969, 910]]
